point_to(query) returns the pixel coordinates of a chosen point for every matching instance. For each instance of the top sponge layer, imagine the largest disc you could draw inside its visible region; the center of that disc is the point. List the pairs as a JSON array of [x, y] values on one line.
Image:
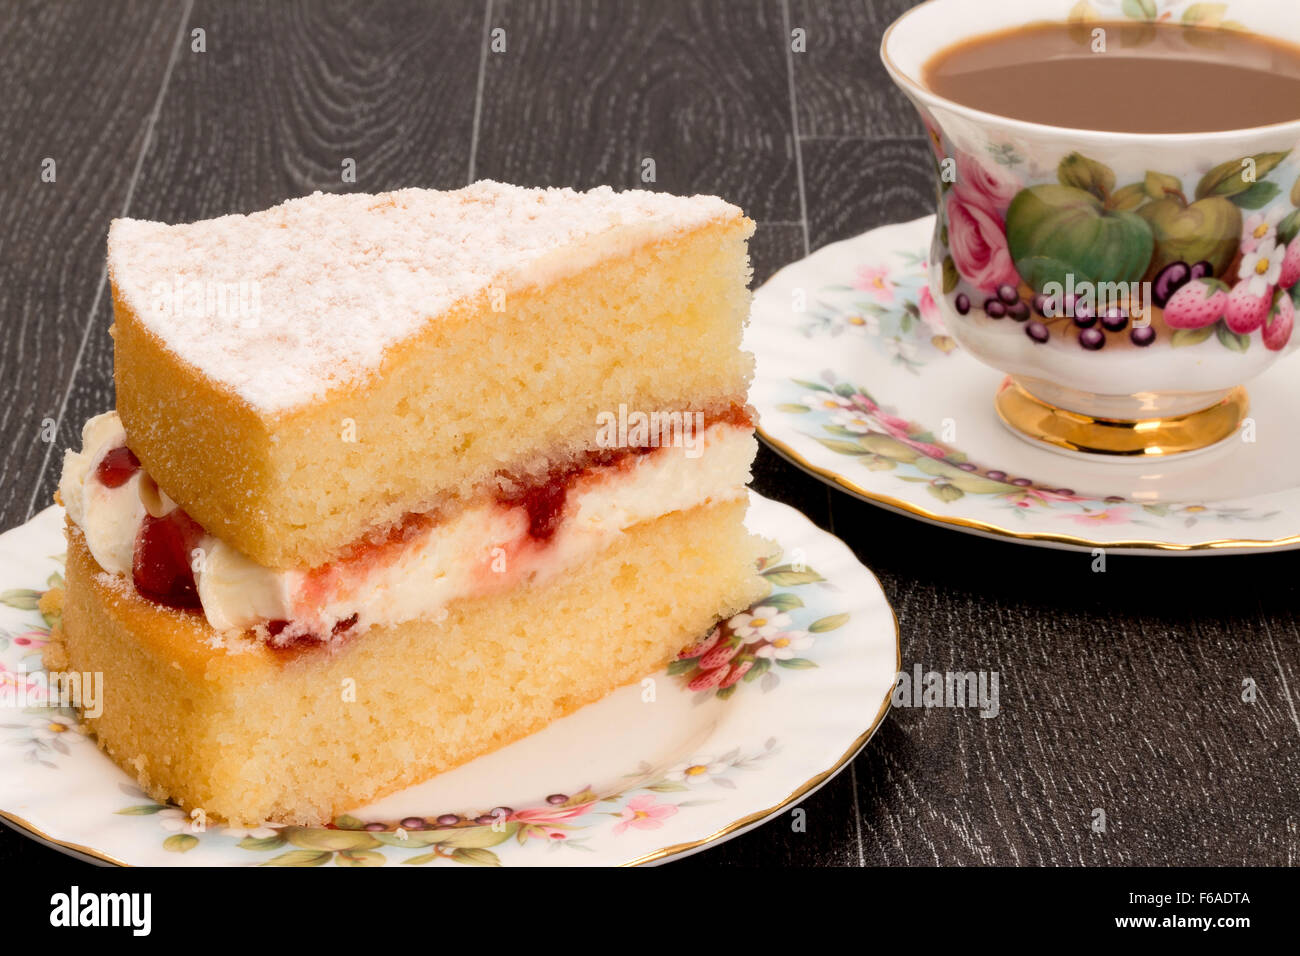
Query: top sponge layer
[[411, 352], [282, 306]]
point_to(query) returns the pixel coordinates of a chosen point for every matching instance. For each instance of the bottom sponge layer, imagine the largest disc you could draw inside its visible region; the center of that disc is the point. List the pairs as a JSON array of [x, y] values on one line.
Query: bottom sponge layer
[[250, 734]]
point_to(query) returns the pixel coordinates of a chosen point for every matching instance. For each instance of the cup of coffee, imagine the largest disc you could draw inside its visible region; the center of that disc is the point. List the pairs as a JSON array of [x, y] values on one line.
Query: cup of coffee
[[1118, 221]]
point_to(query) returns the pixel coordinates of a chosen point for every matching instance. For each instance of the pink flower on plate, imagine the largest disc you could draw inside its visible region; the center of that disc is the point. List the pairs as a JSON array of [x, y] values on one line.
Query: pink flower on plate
[[987, 187], [898, 427], [1029, 497], [930, 314], [978, 243], [548, 823], [529, 831], [34, 639], [927, 449], [551, 815], [644, 813], [1108, 516], [875, 280], [861, 401]]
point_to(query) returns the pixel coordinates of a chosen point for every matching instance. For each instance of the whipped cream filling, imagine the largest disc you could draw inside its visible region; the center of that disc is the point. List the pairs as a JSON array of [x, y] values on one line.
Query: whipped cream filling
[[422, 567]]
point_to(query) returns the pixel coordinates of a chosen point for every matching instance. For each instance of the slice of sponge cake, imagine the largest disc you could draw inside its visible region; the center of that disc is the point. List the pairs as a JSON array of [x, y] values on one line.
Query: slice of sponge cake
[[300, 377], [480, 456]]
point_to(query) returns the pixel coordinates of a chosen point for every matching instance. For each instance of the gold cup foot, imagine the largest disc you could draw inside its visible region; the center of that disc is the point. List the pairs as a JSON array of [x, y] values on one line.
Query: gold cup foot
[[1126, 438]]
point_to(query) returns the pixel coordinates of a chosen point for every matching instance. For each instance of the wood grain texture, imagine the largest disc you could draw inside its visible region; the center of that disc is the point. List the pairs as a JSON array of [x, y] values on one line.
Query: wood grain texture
[[69, 97], [1119, 690], [843, 89], [588, 89], [858, 184]]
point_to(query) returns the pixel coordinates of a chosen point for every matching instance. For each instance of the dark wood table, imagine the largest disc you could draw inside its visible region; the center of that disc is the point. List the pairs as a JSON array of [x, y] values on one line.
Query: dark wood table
[[1119, 691]]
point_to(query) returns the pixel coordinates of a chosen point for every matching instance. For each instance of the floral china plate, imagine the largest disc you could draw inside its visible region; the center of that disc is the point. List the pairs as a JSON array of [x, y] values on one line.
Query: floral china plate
[[656, 770], [859, 383]]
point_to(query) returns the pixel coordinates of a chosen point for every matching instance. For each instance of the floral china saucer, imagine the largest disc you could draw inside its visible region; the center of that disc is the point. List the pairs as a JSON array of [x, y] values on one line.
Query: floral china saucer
[[603, 786], [859, 383]]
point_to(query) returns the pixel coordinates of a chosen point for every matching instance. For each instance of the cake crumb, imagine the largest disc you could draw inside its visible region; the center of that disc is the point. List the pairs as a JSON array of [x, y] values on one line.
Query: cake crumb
[[54, 656], [50, 603]]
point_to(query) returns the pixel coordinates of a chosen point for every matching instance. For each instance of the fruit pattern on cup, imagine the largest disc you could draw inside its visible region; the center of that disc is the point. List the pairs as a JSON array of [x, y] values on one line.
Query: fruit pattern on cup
[[1225, 262]]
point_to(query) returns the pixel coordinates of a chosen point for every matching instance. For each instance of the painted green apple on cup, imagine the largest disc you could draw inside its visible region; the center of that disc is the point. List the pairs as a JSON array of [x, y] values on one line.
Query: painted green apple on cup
[[1057, 230], [1209, 230]]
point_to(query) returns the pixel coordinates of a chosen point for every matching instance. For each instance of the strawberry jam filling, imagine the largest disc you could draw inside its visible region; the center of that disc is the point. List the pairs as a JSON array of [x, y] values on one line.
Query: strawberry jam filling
[[290, 645], [162, 568], [116, 467], [325, 599], [367, 555], [544, 499]]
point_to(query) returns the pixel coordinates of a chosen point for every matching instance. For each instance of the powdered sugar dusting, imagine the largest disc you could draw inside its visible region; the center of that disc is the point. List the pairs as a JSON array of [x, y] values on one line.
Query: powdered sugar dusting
[[283, 305]]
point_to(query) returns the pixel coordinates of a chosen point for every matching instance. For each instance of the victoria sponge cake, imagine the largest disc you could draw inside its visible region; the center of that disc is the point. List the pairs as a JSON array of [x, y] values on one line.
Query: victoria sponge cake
[[394, 480]]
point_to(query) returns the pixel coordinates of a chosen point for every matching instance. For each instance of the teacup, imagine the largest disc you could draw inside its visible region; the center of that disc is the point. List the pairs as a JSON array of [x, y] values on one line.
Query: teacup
[[1009, 265]]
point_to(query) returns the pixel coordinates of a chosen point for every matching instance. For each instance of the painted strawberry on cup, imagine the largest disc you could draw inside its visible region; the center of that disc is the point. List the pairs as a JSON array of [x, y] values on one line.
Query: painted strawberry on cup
[[1290, 273], [1280, 322], [1197, 304]]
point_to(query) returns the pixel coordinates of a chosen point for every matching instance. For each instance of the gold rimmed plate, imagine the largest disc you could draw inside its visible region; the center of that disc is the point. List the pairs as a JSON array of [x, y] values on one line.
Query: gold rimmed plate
[[859, 383], [656, 771]]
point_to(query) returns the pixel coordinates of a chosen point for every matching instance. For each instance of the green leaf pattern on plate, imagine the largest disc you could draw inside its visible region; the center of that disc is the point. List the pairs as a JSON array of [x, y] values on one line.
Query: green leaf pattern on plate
[[845, 418]]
